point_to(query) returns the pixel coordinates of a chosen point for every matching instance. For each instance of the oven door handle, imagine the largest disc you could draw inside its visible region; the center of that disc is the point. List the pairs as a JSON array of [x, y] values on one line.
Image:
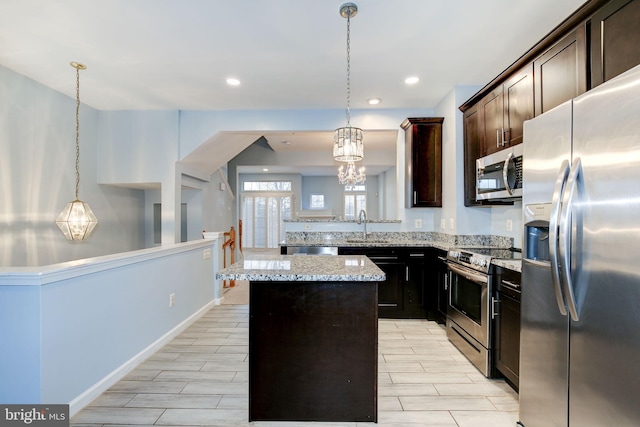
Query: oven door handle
[[469, 274]]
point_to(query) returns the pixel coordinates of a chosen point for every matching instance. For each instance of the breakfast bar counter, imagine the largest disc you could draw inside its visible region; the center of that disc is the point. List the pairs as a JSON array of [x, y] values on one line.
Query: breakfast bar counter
[[313, 336]]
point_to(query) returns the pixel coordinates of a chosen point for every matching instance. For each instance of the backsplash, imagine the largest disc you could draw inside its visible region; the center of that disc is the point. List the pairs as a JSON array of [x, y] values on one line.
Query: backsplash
[[432, 236]]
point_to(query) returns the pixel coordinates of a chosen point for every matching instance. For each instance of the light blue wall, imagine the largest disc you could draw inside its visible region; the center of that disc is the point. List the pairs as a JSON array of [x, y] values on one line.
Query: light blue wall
[[137, 146], [37, 179], [20, 322], [62, 337]]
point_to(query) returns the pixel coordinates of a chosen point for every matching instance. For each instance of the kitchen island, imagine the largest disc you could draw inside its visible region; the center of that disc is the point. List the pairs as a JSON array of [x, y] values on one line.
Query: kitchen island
[[313, 336]]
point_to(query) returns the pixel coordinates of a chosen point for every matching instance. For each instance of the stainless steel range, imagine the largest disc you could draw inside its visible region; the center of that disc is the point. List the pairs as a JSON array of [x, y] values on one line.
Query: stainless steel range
[[472, 303]]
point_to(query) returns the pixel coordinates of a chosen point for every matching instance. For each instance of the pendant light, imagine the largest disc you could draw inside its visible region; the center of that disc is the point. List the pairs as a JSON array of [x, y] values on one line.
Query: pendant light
[[77, 221], [350, 176], [347, 141]]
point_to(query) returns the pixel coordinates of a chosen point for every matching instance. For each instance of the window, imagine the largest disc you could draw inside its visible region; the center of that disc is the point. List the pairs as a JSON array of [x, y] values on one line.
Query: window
[[267, 186], [355, 200], [265, 206], [317, 201]]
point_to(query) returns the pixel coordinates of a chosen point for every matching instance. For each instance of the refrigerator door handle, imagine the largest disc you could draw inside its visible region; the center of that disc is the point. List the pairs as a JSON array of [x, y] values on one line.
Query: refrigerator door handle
[[505, 173], [553, 234], [565, 237]]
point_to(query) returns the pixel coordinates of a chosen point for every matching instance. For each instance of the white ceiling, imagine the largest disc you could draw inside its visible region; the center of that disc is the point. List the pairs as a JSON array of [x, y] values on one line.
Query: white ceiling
[[176, 54]]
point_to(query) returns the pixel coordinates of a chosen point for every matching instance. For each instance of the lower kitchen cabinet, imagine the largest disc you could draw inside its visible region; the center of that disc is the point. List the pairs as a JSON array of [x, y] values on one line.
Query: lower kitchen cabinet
[[441, 286], [415, 293], [507, 333], [404, 294]]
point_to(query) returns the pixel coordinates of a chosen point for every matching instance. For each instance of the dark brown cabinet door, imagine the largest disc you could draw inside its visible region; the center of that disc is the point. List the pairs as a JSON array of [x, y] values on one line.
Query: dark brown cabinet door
[[492, 122], [505, 109], [507, 334], [423, 148], [561, 72], [472, 150], [615, 40], [518, 105], [391, 292], [417, 298]]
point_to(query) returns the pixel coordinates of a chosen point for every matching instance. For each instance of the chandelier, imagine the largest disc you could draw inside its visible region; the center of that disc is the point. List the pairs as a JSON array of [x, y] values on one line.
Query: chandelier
[[351, 176], [77, 221], [347, 141]]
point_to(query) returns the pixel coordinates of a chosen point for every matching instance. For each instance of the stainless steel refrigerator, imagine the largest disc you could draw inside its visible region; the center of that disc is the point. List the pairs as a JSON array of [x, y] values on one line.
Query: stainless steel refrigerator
[[580, 337]]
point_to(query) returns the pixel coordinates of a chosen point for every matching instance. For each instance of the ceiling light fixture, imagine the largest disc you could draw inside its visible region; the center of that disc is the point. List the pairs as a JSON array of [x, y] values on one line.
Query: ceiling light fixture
[[233, 82], [347, 141], [374, 101], [412, 80], [351, 176], [77, 221]]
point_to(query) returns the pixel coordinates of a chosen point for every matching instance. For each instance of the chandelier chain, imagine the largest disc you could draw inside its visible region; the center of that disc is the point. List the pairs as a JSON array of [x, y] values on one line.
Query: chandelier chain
[[348, 66], [77, 132]]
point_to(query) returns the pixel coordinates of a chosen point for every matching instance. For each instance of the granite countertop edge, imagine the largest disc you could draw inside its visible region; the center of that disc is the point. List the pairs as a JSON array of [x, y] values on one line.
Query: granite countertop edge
[[293, 268], [515, 265]]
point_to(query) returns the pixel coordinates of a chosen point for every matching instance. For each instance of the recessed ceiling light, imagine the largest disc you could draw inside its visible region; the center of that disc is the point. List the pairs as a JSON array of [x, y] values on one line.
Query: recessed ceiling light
[[374, 101], [412, 80], [265, 170], [233, 81]]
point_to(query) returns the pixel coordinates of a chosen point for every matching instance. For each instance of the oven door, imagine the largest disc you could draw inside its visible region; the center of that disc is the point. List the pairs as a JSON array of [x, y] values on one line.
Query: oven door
[[469, 299]]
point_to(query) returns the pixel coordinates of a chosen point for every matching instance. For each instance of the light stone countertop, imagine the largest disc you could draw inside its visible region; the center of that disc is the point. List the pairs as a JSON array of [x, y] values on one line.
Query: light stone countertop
[[303, 268], [394, 239], [515, 265]]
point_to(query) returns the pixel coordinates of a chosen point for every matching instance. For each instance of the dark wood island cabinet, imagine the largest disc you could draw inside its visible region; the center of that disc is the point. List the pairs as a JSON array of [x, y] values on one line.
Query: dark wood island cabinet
[[313, 337]]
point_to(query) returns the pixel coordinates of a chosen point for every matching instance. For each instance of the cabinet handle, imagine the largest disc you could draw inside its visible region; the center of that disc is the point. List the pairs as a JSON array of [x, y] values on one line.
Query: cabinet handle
[[406, 273], [511, 285], [497, 138], [415, 197], [502, 136], [494, 309]]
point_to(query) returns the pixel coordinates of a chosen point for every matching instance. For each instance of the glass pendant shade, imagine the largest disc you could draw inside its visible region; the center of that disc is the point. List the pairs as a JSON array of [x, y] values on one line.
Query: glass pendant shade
[[350, 176], [348, 145], [76, 221]]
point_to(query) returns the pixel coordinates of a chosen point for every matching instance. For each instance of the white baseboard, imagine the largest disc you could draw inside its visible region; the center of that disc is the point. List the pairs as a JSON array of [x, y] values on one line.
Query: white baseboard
[[86, 397]]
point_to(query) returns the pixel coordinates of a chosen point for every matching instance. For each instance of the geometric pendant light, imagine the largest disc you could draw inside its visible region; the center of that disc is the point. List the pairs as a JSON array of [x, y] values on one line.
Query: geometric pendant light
[[77, 221]]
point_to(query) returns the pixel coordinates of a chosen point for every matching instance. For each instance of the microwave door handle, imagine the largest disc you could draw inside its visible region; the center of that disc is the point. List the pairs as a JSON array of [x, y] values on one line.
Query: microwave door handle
[[553, 234], [564, 237], [505, 173]]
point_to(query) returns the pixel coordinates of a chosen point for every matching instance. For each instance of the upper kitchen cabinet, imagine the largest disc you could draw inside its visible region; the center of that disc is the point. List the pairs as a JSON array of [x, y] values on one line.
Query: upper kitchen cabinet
[[615, 40], [423, 157], [472, 150], [561, 72], [505, 109]]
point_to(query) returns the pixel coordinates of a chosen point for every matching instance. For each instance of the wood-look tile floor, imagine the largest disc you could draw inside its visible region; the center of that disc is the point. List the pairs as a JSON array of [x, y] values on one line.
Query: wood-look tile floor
[[201, 379]]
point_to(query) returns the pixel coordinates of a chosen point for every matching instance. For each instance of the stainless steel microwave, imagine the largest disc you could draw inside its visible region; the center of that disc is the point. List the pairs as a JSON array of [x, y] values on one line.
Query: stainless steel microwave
[[499, 175]]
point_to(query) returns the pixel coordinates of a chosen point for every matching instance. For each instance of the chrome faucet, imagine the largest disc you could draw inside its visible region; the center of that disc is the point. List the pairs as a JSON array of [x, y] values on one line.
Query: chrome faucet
[[362, 218]]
